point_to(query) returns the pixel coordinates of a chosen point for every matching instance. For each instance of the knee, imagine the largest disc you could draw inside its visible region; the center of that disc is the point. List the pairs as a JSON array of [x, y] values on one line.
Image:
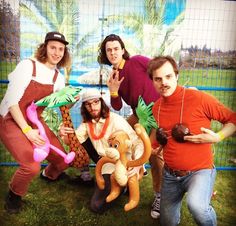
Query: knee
[[196, 208], [97, 207], [170, 220], [33, 169]]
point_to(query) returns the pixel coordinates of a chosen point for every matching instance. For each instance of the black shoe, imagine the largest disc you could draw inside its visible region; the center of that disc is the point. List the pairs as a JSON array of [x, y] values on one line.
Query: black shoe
[[13, 203], [125, 191], [80, 181], [145, 173], [62, 176]]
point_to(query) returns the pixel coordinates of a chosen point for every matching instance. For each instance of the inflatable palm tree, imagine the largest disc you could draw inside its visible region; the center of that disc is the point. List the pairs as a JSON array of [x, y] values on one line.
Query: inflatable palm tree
[[62, 99], [145, 116]]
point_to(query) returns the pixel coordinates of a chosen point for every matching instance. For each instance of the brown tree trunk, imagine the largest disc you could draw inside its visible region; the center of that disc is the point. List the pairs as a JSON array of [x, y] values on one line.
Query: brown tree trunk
[[81, 156]]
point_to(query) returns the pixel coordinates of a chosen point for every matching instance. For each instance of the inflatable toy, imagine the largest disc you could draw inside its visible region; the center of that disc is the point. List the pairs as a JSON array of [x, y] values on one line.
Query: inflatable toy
[[120, 144], [62, 99], [41, 152]]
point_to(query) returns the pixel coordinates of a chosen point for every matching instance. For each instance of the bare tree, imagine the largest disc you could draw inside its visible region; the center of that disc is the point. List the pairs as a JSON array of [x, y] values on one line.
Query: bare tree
[[9, 33]]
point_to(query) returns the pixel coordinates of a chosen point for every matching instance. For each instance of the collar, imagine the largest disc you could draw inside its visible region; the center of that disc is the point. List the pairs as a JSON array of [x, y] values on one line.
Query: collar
[[175, 96], [121, 65], [101, 120]]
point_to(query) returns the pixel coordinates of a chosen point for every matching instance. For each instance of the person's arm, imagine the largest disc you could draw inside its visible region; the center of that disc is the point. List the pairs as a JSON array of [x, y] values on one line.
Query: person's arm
[[215, 110], [208, 136], [18, 81], [32, 134], [156, 147], [81, 133]]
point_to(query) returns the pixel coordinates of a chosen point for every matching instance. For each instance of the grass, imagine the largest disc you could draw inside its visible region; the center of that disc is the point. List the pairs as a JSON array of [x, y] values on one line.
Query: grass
[[60, 204], [209, 77]]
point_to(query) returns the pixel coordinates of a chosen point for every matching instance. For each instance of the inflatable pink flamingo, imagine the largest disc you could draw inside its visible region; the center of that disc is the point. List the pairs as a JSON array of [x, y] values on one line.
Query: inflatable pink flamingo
[[41, 152]]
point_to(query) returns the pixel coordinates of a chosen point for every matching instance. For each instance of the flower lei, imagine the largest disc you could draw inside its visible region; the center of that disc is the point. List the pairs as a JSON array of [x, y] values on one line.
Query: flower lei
[[101, 135]]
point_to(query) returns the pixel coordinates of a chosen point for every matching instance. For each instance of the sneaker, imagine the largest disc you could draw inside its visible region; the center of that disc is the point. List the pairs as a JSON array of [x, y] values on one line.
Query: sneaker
[[62, 176], [145, 173], [155, 211], [81, 180], [125, 191], [13, 203]]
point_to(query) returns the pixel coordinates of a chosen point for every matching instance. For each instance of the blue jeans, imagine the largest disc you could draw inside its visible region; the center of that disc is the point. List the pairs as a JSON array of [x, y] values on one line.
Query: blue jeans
[[199, 187]]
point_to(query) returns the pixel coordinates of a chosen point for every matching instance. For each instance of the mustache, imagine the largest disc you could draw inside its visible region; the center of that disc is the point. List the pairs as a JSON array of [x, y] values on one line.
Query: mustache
[[165, 87]]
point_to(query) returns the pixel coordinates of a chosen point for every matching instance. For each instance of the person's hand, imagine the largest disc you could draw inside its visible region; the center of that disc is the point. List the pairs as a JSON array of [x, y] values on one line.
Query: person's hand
[[113, 82], [35, 138], [156, 150], [64, 131], [208, 136], [77, 97]]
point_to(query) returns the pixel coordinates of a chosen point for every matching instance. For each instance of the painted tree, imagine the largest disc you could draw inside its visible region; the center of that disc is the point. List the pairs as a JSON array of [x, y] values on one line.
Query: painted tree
[[62, 99], [153, 36], [9, 33], [56, 15]]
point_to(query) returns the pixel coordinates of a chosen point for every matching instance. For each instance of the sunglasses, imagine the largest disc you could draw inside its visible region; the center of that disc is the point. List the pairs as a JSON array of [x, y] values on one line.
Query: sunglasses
[[178, 132]]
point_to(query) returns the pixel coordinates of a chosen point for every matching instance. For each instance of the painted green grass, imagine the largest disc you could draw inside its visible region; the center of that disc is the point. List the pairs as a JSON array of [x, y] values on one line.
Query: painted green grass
[[60, 204]]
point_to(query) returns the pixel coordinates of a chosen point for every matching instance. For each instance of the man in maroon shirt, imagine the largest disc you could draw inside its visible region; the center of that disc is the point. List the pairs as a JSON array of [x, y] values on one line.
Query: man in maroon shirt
[[128, 81]]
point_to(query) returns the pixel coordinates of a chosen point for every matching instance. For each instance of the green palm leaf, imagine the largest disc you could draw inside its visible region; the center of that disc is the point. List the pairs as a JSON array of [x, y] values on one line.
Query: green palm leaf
[[144, 113], [52, 119], [63, 97]]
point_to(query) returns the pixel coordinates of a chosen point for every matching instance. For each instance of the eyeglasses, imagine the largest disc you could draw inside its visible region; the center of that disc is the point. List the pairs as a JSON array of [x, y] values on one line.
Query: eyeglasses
[[178, 132], [91, 103]]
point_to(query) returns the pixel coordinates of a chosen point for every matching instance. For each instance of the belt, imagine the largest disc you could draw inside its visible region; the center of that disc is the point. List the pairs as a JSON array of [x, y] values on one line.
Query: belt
[[177, 173]]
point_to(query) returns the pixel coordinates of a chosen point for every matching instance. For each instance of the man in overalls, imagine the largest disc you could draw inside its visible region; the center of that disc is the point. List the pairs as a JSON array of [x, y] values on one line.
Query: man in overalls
[[32, 80]]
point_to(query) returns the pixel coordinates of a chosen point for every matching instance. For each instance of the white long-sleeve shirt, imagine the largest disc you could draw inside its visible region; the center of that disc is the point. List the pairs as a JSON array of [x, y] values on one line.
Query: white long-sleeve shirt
[[116, 122], [20, 78]]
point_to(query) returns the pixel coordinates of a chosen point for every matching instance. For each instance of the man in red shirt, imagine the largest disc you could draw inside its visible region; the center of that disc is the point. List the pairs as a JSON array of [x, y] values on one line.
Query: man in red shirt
[[184, 119]]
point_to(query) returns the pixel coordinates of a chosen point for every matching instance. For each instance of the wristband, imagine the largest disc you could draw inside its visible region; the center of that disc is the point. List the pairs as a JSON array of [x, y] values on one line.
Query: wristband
[[26, 129], [114, 94], [221, 135]]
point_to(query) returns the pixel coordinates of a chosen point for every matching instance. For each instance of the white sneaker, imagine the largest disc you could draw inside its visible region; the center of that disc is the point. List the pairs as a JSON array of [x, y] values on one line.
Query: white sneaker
[[155, 211], [145, 172], [86, 176]]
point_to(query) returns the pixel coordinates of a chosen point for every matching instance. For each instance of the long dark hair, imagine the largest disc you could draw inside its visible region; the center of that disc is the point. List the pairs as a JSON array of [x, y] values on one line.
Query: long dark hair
[[41, 55], [102, 57], [87, 117]]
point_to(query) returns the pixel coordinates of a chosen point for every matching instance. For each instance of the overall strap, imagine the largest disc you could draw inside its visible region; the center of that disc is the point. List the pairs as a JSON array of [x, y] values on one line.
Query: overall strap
[[55, 76], [34, 68], [34, 72]]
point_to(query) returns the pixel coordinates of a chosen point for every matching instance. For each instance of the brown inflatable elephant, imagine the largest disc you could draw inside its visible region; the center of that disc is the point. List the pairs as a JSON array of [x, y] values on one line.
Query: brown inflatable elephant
[[120, 144]]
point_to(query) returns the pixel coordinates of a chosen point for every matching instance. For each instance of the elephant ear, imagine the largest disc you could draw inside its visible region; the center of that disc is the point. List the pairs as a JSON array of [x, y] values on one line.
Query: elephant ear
[[145, 116], [62, 97]]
